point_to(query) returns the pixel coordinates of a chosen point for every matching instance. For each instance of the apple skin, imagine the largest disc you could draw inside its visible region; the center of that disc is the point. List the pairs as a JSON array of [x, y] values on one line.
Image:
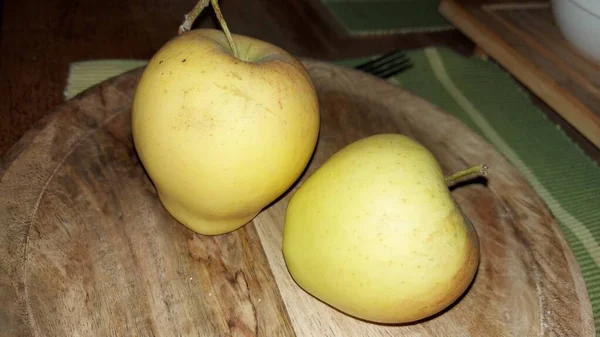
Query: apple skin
[[376, 234], [222, 137]]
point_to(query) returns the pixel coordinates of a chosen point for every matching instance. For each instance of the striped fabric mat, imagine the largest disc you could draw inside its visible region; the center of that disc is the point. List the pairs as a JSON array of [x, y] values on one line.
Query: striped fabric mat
[[377, 17], [86, 74], [485, 98]]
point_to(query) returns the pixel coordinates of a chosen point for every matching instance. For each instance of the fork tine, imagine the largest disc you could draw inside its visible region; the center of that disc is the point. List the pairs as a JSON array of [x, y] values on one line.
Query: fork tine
[[387, 65], [394, 70], [385, 57]]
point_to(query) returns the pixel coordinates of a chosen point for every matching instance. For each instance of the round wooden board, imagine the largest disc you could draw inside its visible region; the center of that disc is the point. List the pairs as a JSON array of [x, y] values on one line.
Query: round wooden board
[[88, 250]]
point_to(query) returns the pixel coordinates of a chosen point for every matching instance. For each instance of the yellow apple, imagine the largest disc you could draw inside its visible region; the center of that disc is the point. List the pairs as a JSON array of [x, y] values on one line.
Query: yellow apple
[[375, 233], [223, 136]]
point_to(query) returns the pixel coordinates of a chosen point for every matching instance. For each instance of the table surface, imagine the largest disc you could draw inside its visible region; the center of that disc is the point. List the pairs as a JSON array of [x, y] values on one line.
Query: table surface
[[40, 39], [525, 40]]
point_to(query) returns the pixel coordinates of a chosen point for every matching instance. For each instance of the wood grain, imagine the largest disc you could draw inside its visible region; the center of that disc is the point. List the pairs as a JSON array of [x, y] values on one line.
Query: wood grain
[[524, 39], [89, 250]]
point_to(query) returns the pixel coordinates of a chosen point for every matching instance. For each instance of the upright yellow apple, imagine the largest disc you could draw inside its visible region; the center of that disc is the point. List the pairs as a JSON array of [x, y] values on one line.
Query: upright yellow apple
[[223, 136], [375, 233]]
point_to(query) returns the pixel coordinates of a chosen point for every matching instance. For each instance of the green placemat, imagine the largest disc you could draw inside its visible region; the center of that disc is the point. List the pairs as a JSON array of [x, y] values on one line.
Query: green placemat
[[485, 98], [85, 74], [376, 17]]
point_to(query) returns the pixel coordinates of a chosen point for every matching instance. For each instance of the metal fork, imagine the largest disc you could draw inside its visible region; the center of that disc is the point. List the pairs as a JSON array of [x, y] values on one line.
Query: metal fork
[[387, 65]]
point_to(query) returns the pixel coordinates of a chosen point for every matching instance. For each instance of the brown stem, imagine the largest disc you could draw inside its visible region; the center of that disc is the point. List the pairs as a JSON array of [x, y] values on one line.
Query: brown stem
[[480, 169], [189, 18], [217, 9]]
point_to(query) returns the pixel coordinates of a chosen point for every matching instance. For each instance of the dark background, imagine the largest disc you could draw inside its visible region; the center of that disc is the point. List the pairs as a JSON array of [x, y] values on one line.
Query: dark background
[[40, 38]]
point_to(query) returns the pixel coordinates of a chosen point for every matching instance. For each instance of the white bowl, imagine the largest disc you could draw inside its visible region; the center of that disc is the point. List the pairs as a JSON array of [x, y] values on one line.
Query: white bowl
[[591, 5], [579, 23]]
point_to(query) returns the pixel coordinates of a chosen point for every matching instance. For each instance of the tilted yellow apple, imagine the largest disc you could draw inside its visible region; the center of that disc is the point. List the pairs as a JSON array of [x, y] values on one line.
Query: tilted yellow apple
[[223, 136], [375, 233]]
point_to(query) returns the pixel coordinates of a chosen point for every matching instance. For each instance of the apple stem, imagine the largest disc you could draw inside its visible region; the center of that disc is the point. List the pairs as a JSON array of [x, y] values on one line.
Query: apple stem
[[221, 19], [480, 169], [190, 17]]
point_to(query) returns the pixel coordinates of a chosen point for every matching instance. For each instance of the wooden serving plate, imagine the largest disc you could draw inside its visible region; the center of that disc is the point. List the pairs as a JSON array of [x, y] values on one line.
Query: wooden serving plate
[[88, 250]]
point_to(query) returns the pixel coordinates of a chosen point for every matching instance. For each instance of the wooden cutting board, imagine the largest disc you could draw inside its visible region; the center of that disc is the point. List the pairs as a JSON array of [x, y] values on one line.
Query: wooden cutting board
[[88, 250]]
